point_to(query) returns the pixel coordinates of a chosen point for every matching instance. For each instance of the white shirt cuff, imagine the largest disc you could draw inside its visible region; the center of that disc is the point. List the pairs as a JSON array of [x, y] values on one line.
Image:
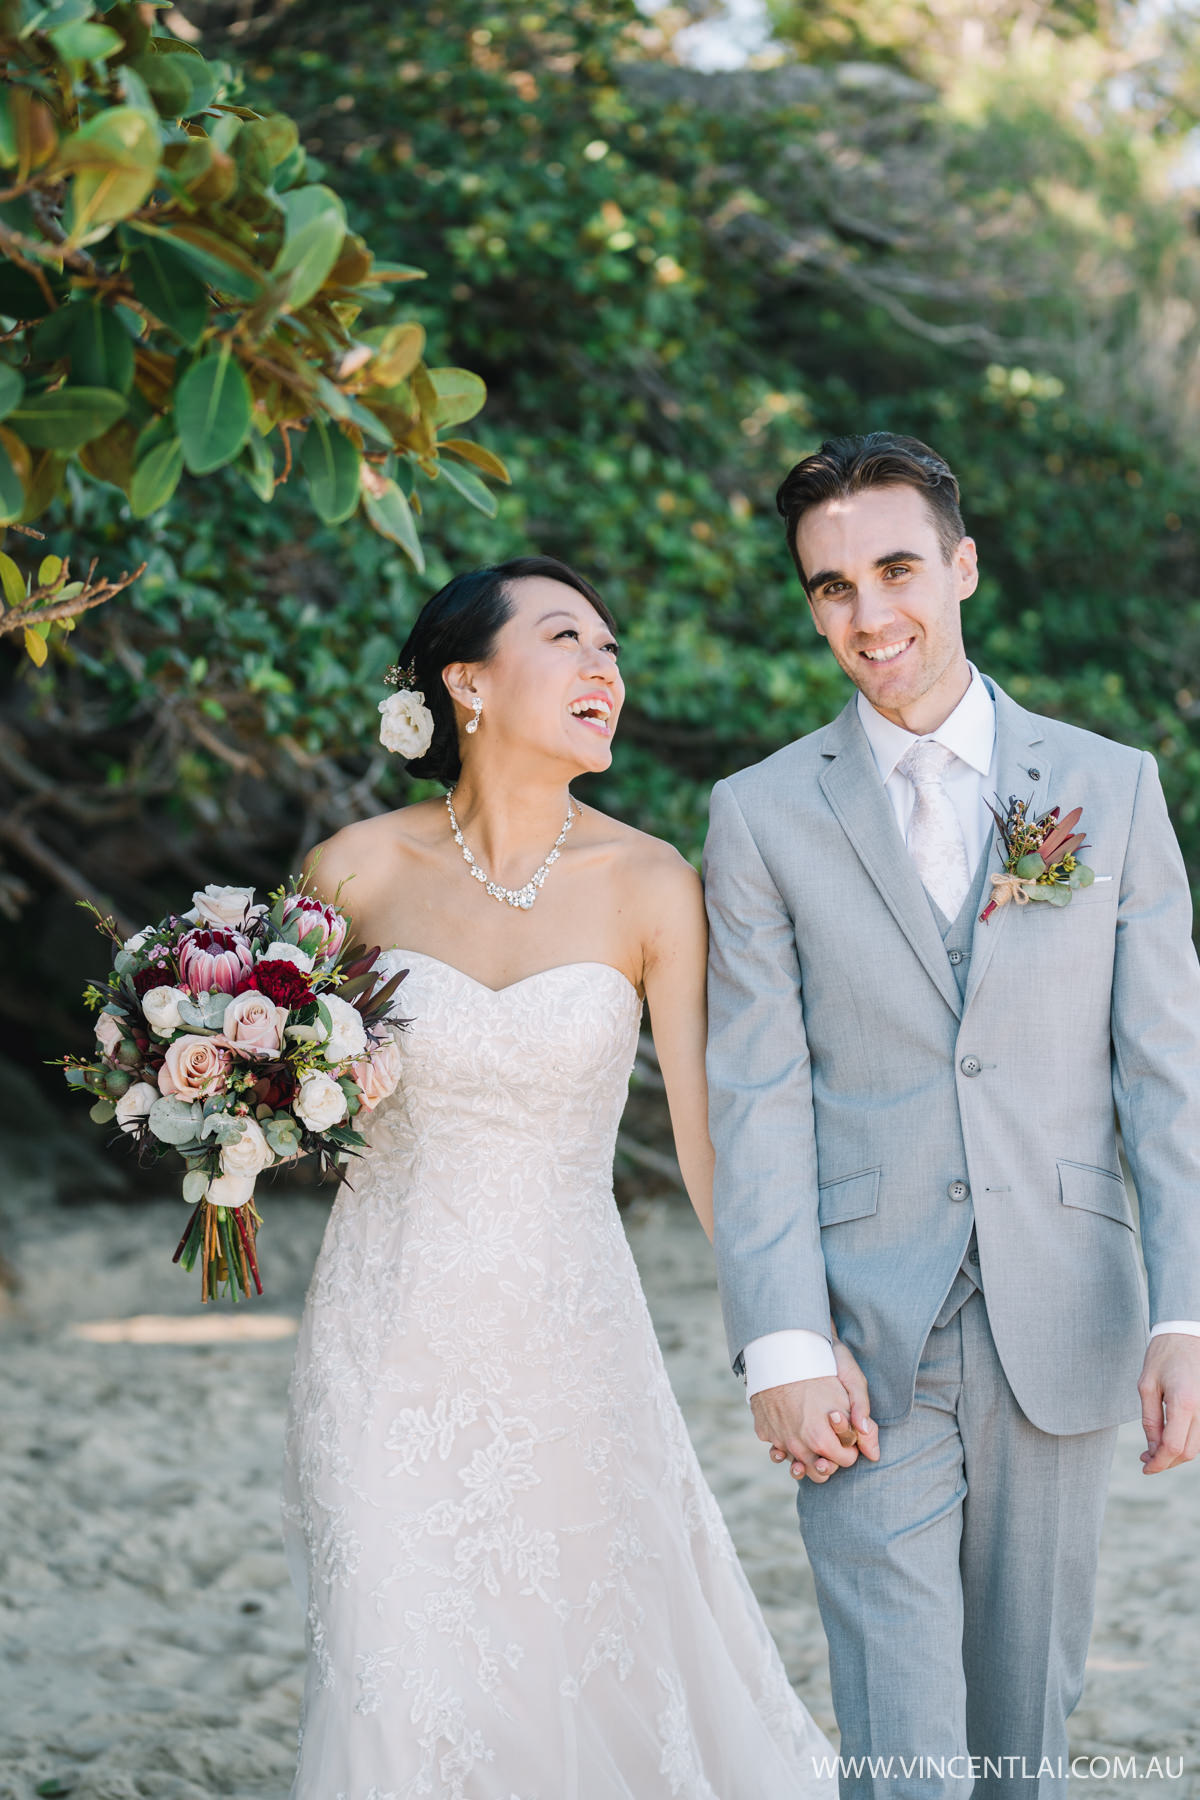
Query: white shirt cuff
[[1189, 1328], [784, 1356]]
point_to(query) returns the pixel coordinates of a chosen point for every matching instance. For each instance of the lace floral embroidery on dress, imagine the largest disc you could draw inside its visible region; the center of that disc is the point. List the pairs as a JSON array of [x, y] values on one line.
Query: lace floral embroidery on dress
[[509, 1551]]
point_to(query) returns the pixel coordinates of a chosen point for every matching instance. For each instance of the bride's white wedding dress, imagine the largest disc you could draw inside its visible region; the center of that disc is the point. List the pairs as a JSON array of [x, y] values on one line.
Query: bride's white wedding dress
[[518, 1584]]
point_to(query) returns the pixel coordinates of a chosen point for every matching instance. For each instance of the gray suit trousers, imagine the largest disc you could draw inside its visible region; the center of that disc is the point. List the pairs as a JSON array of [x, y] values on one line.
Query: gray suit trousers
[[956, 1580]]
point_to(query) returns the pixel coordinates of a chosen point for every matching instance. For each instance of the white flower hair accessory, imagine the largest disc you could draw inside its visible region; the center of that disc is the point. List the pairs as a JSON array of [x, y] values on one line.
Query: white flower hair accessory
[[407, 723]]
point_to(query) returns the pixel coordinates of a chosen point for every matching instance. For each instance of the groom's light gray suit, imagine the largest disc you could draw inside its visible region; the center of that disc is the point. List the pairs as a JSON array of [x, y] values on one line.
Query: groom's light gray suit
[[914, 1128]]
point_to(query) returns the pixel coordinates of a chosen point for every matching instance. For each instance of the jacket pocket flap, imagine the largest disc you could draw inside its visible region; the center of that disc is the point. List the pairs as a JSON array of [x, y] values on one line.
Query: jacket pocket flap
[[849, 1197], [1095, 1190]]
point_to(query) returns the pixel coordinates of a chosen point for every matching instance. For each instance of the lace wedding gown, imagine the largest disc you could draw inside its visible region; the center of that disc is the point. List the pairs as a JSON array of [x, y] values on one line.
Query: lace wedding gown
[[518, 1585]]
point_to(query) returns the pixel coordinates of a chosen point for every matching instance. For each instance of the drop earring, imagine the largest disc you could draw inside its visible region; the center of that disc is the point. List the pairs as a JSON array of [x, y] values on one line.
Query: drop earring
[[473, 724]]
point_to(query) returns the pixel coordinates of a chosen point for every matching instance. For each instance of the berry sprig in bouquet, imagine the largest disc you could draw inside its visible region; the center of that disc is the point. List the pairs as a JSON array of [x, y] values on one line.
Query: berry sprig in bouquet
[[242, 1035]]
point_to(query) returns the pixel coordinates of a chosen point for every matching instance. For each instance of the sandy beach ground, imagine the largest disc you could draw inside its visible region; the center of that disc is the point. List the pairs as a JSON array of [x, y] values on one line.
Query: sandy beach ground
[[149, 1641]]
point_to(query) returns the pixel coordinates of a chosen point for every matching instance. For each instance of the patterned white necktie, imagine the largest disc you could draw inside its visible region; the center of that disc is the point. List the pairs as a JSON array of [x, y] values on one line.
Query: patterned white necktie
[[935, 838]]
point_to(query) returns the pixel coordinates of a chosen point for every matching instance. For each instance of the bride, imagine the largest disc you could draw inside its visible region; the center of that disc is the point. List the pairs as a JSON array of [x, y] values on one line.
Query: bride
[[518, 1585]]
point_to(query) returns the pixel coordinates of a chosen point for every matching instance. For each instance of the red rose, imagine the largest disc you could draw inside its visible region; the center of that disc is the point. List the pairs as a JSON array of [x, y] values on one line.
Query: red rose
[[281, 982], [157, 975]]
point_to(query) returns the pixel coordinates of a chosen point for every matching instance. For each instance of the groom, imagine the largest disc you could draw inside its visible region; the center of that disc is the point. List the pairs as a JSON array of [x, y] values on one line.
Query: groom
[[913, 1115]]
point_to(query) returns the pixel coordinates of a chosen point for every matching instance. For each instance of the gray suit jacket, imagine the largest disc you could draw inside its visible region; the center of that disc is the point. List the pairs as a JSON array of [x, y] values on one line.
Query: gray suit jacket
[[865, 1115]]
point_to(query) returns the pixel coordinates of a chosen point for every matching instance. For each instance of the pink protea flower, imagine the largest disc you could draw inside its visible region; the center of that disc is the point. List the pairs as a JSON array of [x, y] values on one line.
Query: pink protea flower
[[312, 916], [214, 959]]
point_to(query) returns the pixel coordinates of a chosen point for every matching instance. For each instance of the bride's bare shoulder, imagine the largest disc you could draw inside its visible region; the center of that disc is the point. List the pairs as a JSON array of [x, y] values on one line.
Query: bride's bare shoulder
[[370, 852], [641, 858]]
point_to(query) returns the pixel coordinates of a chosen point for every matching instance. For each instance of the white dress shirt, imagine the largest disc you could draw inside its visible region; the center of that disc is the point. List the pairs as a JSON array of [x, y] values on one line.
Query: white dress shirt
[[970, 781]]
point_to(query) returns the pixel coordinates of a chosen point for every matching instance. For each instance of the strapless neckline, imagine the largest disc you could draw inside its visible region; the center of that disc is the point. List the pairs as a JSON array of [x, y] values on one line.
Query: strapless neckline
[[524, 980]]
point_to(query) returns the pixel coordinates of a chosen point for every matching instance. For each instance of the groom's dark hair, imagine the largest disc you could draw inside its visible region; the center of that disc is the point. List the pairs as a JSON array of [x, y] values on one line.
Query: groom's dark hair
[[847, 465]]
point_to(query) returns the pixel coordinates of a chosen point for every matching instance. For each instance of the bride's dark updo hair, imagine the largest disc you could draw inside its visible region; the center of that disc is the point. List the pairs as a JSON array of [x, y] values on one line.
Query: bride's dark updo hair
[[460, 624]]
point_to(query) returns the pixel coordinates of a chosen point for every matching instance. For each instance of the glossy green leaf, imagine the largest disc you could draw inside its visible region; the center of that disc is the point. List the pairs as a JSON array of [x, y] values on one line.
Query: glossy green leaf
[[12, 494], [12, 386], [12, 582], [166, 82], [331, 464], [83, 41], [165, 282], [392, 517], [66, 419], [100, 348], [115, 158], [221, 264], [156, 478], [316, 226], [460, 395], [469, 486], [212, 411], [257, 465]]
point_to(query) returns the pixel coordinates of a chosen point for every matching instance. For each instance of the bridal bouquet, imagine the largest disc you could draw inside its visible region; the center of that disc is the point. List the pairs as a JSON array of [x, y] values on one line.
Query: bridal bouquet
[[242, 1035]]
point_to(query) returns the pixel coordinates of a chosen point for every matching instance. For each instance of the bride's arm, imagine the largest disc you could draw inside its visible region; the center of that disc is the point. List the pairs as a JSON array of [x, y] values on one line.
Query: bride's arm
[[674, 968]]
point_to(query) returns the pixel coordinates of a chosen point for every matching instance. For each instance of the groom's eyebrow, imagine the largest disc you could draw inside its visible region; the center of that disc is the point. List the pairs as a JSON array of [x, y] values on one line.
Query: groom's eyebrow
[[881, 562]]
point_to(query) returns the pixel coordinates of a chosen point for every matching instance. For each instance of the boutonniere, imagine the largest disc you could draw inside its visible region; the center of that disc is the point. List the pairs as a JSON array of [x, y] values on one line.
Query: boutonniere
[[1040, 857]]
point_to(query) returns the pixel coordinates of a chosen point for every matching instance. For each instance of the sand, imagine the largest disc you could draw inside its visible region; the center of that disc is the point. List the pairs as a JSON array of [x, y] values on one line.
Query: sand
[[149, 1642]]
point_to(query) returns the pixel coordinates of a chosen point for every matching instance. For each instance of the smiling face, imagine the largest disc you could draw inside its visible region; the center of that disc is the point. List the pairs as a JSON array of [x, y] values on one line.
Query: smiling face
[[551, 686], [888, 602]]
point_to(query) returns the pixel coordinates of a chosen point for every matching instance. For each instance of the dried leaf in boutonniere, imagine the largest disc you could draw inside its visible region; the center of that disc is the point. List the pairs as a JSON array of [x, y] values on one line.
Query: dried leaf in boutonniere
[[1041, 857]]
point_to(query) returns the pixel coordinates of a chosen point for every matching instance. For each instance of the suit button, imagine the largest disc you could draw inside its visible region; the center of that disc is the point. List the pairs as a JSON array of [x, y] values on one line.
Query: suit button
[[956, 957], [958, 1190], [970, 1065]]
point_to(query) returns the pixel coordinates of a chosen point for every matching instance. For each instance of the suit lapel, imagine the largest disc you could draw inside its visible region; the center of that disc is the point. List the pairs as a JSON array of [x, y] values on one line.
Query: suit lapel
[[1016, 734], [853, 789]]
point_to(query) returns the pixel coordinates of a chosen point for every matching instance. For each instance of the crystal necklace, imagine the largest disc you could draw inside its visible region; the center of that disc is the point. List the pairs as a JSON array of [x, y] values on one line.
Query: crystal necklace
[[523, 897]]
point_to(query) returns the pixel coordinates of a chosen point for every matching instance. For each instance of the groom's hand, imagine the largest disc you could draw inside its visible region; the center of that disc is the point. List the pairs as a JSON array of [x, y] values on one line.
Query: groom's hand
[[1170, 1391], [795, 1419]]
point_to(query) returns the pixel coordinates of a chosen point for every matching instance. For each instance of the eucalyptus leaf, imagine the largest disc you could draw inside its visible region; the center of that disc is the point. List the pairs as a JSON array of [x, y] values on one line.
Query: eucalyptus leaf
[[1030, 867], [195, 1186], [174, 1121]]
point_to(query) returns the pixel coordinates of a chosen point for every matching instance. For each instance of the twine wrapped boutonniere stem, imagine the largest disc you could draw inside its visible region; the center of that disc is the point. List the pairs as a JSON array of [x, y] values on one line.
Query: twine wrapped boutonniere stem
[[1041, 857]]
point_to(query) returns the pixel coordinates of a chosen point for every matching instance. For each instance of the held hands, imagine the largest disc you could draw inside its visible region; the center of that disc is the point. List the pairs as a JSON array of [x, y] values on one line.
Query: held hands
[[1170, 1391], [820, 1425]]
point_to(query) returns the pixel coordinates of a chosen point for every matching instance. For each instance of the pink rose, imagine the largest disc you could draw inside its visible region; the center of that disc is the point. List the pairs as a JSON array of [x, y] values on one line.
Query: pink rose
[[108, 1032], [253, 1025], [379, 1074], [194, 1066], [214, 959], [310, 915]]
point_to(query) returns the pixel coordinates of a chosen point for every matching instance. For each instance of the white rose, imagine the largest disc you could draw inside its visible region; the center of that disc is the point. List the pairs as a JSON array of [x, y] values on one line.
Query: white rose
[[320, 1102], [407, 723], [135, 942], [348, 1037], [134, 1105], [224, 907], [248, 1154], [109, 1032], [161, 1007], [290, 953]]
